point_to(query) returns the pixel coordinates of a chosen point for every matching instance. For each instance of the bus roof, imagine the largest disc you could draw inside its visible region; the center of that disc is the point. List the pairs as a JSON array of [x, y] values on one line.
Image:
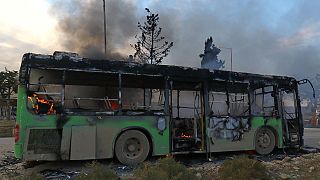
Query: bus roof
[[72, 62]]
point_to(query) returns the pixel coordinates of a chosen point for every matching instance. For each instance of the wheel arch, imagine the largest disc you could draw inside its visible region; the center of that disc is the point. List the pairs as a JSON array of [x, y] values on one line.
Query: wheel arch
[[141, 129]]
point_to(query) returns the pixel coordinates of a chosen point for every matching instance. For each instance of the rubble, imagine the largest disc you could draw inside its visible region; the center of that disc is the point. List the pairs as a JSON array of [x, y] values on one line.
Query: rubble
[[307, 149], [280, 165], [8, 159], [50, 174], [208, 170], [288, 164], [300, 166], [124, 171], [9, 165]]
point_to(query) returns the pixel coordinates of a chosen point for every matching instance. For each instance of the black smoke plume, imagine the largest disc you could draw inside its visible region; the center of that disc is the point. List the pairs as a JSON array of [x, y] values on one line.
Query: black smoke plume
[[80, 23]]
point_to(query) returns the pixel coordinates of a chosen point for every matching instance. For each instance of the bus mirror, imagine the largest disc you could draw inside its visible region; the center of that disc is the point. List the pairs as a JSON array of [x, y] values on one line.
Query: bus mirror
[[304, 81], [161, 125]]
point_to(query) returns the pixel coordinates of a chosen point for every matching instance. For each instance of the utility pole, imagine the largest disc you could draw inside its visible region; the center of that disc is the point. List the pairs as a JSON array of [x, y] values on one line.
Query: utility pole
[[105, 28]]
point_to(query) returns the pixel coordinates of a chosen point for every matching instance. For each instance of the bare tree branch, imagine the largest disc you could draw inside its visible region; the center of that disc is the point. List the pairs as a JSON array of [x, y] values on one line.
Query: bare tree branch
[[147, 46]]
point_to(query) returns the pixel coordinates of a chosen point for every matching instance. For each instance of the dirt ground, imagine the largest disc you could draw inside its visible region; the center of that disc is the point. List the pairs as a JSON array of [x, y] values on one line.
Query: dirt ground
[[288, 164], [292, 165]]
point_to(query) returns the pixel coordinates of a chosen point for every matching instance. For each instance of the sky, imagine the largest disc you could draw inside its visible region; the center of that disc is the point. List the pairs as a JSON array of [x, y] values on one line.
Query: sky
[[267, 37]]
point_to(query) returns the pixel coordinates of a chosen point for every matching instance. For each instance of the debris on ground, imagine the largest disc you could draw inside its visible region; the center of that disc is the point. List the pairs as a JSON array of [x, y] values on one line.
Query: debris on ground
[[9, 164], [308, 149], [303, 166], [50, 174], [282, 164], [208, 170], [123, 171], [8, 159]]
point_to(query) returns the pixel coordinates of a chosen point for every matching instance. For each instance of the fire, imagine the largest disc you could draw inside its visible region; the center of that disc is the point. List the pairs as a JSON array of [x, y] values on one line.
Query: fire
[[41, 105], [184, 136]]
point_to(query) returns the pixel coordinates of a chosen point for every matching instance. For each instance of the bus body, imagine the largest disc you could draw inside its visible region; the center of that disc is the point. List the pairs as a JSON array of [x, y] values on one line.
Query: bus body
[[72, 108]]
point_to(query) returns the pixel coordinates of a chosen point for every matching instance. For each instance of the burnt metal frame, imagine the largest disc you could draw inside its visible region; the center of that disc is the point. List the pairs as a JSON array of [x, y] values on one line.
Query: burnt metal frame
[[66, 63], [263, 93]]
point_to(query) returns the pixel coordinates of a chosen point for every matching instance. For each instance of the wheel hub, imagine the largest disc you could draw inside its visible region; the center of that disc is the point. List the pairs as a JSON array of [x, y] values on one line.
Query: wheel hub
[[264, 140], [133, 147]]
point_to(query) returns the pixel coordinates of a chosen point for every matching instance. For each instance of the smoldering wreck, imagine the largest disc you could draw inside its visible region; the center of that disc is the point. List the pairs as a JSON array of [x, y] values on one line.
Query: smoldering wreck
[[73, 108]]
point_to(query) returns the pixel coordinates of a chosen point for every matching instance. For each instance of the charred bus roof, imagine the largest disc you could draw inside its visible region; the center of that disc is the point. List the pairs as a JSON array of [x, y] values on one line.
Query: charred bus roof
[[61, 61]]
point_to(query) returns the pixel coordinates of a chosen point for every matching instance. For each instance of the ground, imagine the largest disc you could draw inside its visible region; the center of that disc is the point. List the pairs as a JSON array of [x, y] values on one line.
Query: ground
[[312, 137], [281, 164]]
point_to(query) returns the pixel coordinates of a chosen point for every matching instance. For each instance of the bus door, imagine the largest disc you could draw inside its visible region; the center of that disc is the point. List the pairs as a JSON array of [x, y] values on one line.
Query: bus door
[[290, 117], [187, 116]]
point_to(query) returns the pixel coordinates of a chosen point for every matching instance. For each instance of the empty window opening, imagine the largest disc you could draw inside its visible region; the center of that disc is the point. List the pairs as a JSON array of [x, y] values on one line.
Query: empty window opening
[[263, 102], [289, 105], [44, 92], [228, 99], [141, 95]]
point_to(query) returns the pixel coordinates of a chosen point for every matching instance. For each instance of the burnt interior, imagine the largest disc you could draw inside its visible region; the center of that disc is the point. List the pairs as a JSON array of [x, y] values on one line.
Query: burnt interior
[[187, 112], [54, 92], [187, 95]]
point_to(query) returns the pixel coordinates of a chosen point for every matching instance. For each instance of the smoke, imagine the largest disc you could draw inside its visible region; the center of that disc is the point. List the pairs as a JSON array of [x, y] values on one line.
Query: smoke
[[266, 37], [280, 38], [81, 27]]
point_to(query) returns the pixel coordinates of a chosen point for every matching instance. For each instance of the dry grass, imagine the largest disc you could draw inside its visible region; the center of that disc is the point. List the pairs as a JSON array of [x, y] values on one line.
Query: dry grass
[[164, 169], [242, 168]]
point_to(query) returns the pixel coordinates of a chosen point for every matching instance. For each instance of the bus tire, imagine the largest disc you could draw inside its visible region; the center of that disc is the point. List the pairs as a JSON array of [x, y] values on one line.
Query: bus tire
[[265, 141], [132, 147]]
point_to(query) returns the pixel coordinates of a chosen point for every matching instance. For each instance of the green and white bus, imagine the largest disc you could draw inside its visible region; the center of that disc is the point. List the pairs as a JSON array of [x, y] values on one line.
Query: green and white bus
[[73, 108]]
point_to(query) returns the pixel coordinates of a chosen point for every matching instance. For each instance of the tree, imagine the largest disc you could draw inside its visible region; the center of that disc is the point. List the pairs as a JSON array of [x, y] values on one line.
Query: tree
[[210, 56], [150, 47], [8, 83]]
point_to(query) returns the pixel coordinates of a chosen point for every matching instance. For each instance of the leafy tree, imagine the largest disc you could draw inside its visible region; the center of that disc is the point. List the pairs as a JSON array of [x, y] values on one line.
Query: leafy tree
[[150, 47], [8, 83], [210, 56]]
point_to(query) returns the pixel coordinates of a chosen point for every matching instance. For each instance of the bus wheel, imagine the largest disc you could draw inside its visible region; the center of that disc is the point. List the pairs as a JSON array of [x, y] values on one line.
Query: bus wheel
[[264, 141], [132, 147]]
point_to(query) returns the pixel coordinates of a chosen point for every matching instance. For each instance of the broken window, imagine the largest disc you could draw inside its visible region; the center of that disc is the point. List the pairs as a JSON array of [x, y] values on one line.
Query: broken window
[[44, 91], [218, 103], [185, 104], [91, 92], [91, 98], [288, 105], [239, 104], [142, 99], [49, 91], [263, 101], [228, 99], [142, 93]]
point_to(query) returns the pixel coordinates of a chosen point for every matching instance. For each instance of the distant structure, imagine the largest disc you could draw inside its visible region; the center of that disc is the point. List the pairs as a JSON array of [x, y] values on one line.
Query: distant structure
[[210, 56], [130, 58]]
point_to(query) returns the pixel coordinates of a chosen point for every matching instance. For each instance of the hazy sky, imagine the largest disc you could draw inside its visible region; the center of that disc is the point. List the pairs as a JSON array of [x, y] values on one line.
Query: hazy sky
[[269, 37]]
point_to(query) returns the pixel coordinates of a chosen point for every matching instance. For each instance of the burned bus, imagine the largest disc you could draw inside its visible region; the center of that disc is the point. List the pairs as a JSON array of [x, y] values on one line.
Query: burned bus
[[73, 108]]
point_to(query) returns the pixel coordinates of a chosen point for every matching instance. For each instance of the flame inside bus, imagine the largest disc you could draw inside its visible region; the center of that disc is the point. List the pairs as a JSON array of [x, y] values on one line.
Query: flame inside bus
[[41, 105], [183, 135]]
